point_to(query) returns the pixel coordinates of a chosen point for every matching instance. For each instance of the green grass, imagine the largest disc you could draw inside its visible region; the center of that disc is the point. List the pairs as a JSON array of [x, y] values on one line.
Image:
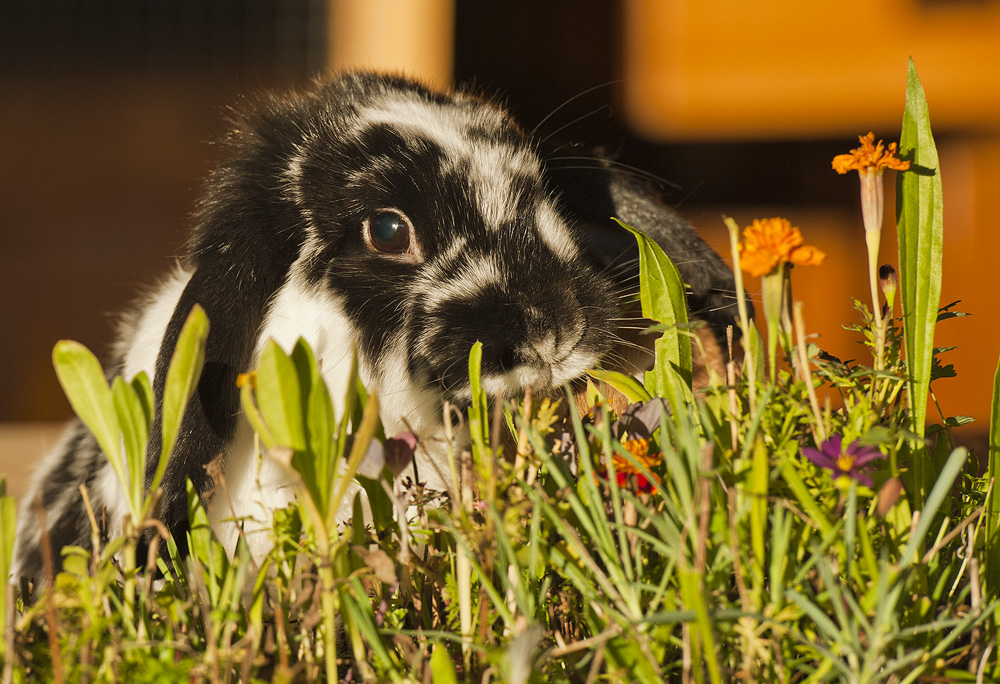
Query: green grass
[[716, 551]]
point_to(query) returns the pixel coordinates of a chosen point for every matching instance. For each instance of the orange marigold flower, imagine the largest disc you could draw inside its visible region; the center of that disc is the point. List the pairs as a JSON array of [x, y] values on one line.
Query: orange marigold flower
[[626, 471], [769, 243], [870, 156]]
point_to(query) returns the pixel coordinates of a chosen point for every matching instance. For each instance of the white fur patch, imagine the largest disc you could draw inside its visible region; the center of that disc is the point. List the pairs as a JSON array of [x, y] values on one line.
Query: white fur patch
[[292, 179], [144, 346], [490, 166], [405, 405], [555, 234], [255, 484], [474, 276]]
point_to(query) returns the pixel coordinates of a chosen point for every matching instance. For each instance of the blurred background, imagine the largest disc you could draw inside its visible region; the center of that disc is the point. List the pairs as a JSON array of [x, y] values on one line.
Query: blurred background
[[109, 109]]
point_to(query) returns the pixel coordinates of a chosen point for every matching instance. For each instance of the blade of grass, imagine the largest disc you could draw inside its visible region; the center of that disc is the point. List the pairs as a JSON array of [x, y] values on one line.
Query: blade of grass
[[8, 526], [941, 489], [694, 598], [991, 571]]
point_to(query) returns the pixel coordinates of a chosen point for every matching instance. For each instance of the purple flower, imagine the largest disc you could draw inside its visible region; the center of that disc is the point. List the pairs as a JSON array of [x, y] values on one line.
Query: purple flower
[[842, 462]]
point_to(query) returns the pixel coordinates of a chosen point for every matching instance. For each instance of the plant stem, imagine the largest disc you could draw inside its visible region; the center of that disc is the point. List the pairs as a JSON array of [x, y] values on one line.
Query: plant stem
[[773, 285], [873, 238], [463, 569], [128, 566], [329, 601]]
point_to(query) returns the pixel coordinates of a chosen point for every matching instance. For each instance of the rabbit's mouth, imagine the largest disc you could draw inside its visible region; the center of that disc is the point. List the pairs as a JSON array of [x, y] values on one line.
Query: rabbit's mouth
[[510, 372]]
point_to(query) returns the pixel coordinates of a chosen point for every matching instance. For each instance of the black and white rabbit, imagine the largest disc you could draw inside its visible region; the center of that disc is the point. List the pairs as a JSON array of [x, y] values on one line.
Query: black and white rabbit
[[372, 212]]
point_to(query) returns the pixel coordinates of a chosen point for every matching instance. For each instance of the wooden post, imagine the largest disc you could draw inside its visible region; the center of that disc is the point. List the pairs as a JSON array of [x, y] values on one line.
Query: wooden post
[[413, 37]]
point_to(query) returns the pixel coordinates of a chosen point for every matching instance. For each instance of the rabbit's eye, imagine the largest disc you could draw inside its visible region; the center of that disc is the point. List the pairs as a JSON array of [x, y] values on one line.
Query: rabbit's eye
[[388, 231]]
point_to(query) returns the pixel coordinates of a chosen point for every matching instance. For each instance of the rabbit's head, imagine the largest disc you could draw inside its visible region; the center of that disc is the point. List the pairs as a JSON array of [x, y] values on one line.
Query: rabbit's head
[[430, 220]]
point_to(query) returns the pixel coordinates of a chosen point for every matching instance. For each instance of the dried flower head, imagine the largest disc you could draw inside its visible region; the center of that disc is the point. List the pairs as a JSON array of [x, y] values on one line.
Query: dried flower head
[[888, 495], [771, 243], [395, 454], [640, 419], [399, 451], [870, 156]]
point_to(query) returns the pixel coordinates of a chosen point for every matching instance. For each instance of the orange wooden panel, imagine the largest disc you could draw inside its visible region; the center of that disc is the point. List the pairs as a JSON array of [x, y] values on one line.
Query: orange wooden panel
[[787, 68]]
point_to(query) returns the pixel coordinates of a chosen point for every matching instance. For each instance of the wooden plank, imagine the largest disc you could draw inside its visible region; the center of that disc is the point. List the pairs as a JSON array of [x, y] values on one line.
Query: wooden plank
[[787, 69]]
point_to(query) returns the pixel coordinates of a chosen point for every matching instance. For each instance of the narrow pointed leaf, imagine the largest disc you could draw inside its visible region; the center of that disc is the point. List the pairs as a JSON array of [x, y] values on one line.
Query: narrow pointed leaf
[[8, 527], [991, 526], [182, 378], [626, 384], [920, 226]]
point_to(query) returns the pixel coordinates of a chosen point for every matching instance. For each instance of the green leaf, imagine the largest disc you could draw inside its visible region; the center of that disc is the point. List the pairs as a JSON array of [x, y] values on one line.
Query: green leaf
[[135, 433], [279, 397], [212, 560], [442, 667], [363, 434], [626, 384], [378, 500], [695, 597], [756, 344], [309, 464], [8, 529], [991, 526], [321, 423], [478, 424], [144, 393], [662, 299], [351, 399], [182, 378], [942, 488], [758, 489], [920, 227], [82, 379]]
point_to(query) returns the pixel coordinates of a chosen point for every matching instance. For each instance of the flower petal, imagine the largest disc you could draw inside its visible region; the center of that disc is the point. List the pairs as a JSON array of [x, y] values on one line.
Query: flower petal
[[860, 477], [833, 447], [843, 163], [863, 455], [807, 255], [819, 458]]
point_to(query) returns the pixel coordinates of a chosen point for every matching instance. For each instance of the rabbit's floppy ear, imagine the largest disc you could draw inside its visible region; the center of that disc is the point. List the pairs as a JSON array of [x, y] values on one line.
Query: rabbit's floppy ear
[[247, 237], [595, 194]]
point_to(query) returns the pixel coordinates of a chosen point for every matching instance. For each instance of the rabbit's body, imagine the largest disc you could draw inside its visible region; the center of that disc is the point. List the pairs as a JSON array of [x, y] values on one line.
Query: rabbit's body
[[373, 214]]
